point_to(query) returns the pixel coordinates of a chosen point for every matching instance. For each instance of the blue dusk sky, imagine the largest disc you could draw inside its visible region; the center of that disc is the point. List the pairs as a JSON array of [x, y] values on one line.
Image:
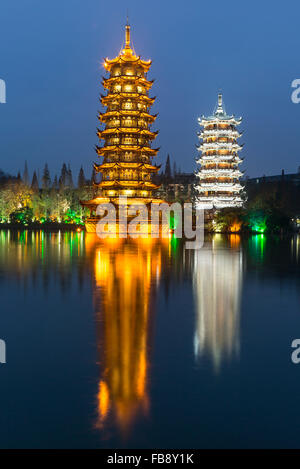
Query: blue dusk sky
[[51, 55]]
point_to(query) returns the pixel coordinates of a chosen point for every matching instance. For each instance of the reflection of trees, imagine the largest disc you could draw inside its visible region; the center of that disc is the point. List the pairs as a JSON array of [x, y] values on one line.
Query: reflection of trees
[[217, 286], [37, 256], [126, 276]]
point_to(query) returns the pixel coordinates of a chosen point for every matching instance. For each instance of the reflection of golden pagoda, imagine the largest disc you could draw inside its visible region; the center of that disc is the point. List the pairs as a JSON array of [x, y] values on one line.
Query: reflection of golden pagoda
[[127, 166], [217, 285], [125, 274]]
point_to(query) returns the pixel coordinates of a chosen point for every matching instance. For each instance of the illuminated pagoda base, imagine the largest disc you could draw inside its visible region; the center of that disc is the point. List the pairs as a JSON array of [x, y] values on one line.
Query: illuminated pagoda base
[[132, 203], [219, 175], [127, 167]]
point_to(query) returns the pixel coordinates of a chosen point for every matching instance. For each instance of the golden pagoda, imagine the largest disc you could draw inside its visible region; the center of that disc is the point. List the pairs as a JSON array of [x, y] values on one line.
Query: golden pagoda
[[127, 167]]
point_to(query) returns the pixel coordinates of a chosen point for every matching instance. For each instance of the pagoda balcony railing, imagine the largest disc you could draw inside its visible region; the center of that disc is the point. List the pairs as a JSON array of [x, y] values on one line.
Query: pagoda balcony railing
[[219, 132], [129, 179], [216, 144], [133, 125], [133, 142], [220, 146], [130, 94], [214, 126], [219, 171], [214, 198], [221, 185], [216, 156], [123, 159]]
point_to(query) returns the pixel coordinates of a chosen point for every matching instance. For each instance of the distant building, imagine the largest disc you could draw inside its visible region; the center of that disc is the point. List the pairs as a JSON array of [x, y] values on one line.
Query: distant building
[[175, 184], [293, 178]]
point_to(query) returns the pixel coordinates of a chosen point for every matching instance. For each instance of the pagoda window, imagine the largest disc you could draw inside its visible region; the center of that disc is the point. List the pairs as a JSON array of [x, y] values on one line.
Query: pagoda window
[[128, 140], [116, 71], [128, 123], [128, 88], [128, 71], [128, 105], [117, 88]]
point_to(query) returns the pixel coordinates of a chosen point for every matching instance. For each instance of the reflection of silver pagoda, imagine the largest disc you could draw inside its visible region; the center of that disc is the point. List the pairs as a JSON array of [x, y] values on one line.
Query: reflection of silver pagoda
[[217, 287], [219, 175]]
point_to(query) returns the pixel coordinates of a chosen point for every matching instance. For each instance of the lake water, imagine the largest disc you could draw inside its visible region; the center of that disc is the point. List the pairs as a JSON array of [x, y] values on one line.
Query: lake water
[[143, 344]]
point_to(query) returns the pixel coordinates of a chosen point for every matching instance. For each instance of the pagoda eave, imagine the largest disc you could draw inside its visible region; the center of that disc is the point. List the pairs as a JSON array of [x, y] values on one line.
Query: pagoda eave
[[128, 58], [126, 165], [126, 130], [107, 82], [112, 97], [104, 116], [127, 184], [113, 148]]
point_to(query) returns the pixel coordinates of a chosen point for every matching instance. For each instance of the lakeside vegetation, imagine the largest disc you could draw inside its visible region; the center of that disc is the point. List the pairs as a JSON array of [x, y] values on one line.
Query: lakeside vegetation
[[270, 207], [55, 204]]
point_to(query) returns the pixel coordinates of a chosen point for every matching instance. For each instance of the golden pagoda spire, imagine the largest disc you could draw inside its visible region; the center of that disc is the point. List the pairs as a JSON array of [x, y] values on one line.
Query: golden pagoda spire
[[127, 34]]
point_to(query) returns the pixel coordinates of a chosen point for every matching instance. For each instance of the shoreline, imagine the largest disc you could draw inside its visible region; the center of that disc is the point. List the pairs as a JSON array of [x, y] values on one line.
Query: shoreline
[[71, 227], [51, 227]]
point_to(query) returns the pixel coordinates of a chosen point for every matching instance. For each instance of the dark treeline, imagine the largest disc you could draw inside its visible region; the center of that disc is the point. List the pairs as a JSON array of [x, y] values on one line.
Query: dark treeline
[[44, 199], [268, 207]]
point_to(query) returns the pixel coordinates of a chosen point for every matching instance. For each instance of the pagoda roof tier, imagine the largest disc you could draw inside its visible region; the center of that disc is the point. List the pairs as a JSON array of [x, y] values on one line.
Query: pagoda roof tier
[[216, 202], [127, 184], [132, 59], [219, 119], [107, 82], [126, 130], [219, 115], [127, 57], [125, 165], [121, 148], [103, 116], [105, 100]]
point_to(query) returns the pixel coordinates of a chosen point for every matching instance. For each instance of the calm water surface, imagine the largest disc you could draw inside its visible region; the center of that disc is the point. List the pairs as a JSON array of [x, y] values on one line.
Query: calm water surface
[[146, 344]]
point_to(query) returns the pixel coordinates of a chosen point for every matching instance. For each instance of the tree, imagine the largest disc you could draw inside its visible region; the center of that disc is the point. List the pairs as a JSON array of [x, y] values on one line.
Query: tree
[[26, 175], [81, 178], [55, 183], [46, 180], [22, 216], [63, 177], [35, 182], [69, 177], [229, 219], [168, 173], [93, 177], [174, 169], [14, 195]]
